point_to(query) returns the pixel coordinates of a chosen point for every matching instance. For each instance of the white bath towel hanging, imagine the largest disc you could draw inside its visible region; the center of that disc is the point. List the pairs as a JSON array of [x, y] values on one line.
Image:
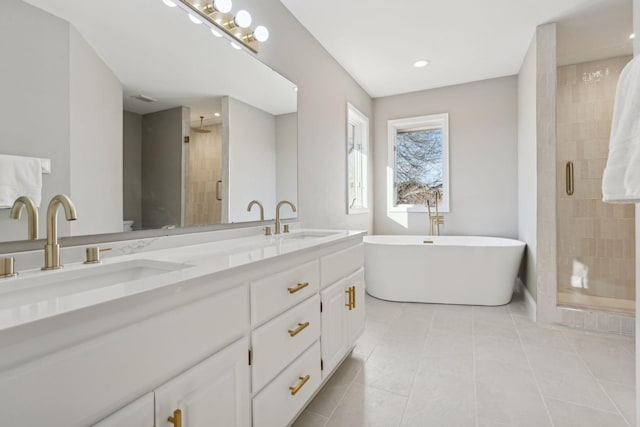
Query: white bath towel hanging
[[20, 176], [621, 179]]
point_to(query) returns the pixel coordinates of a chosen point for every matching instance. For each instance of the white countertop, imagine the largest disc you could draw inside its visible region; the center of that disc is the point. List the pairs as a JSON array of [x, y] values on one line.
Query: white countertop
[[190, 262]]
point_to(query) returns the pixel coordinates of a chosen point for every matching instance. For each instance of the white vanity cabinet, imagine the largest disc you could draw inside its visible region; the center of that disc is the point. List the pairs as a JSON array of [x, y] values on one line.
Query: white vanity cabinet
[[343, 308], [137, 414], [245, 346], [215, 392]]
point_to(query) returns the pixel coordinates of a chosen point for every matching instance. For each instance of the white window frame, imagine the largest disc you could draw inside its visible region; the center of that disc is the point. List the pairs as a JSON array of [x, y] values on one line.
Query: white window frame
[[416, 123], [361, 133]]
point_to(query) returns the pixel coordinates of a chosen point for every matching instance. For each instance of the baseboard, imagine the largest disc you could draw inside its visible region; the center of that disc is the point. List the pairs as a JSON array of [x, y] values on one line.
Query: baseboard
[[528, 299]]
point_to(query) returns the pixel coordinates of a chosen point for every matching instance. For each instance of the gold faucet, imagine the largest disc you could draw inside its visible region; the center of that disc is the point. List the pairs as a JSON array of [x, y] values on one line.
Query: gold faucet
[[256, 202], [32, 214], [435, 220], [52, 248], [283, 202]]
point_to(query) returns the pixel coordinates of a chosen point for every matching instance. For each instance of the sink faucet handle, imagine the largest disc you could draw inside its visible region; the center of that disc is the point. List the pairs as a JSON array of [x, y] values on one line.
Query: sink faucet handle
[[93, 254], [7, 267]]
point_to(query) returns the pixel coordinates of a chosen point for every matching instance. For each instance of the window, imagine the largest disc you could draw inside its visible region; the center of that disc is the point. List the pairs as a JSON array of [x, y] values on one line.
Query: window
[[418, 163], [357, 150]]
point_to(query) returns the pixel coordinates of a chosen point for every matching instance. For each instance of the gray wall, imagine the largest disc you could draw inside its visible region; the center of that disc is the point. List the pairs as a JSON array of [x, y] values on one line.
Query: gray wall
[[324, 90], [34, 104], [96, 141], [251, 142], [527, 163], [162, 168], [286, 160], [132, 167], [482, 157]]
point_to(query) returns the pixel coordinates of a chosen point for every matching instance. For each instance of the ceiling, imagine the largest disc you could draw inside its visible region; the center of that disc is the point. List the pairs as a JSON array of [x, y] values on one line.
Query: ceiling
[[157, 52], [377, 41]]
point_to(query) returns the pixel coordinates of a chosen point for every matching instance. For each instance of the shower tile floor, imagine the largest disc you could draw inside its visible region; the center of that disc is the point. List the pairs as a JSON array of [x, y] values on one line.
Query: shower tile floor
[[437, 365]]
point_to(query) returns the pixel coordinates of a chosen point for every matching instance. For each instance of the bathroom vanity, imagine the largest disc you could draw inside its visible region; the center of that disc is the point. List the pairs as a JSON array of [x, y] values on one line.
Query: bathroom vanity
[[235, 332]]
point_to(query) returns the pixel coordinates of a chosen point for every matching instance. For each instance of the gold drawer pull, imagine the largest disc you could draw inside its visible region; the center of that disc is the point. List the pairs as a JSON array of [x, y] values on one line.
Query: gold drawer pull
[[176, 419], [300, 287], [569, 179], [296, 331], [297, 387], [352, 298]]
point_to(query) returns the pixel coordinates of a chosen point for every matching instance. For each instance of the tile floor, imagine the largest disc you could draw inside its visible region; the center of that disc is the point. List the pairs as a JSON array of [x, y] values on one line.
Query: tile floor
[[435, 365]]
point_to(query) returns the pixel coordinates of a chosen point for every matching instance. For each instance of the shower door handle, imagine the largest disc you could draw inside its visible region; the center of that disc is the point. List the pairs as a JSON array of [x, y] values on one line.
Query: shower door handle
[[569, 178], [218, 190]]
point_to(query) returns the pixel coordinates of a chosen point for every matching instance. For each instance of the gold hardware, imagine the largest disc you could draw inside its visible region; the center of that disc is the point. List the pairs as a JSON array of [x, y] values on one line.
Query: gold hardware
[[296, 331], [279, 205], [267, 231], [353, 296], [52, 248], [176, 419], [224, 23], [569, 178], [298, 288], [297, 387], [7, 266], [351, 303], [93, 255], [286, 228], [32, 214], [435, 220], [256, 202], [427, 241], [186, 139]]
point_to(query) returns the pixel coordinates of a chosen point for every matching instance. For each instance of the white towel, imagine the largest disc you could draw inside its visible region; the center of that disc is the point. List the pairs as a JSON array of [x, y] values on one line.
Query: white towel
[[20, 176], [621, 179]]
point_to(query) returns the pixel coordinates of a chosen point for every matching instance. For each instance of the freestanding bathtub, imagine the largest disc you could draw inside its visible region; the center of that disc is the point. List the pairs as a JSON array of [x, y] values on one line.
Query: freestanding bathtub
[[450, 270]]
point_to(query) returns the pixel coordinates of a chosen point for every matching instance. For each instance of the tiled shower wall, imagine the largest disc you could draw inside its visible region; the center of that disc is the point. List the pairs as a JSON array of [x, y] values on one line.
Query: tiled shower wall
[[596, 240]]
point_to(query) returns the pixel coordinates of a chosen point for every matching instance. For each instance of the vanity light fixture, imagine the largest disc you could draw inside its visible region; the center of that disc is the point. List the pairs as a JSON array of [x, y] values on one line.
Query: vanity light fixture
[[421, 63], [217, 16]]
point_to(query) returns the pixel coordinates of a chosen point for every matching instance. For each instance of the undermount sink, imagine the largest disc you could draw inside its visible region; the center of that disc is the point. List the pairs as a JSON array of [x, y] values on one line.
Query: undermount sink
[[308, 235], [46, 285]]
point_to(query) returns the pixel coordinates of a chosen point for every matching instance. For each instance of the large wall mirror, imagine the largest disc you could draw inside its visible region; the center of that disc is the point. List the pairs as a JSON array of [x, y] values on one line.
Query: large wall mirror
[[148, 121]]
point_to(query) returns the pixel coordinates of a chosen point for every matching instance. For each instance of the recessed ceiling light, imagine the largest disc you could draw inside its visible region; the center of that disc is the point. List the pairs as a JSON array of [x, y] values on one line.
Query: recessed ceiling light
[[420, 63], [632, 36]]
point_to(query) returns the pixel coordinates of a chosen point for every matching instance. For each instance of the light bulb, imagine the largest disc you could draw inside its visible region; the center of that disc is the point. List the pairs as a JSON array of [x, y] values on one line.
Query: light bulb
[[632, 36], [420, 63], [216, 114], [216, 32], [223, 6], [169, 3], [236, 45], [243, 19], [261, 33], [194, 19]]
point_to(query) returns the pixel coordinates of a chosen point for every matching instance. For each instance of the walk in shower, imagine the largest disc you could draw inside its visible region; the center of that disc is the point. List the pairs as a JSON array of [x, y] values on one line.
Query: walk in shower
[[595, 240]]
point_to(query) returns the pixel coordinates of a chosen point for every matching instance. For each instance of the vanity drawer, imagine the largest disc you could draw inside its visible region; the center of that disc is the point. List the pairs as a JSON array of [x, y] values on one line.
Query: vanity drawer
[[277, 343], [338, 265], [275, 406], [274, 294]]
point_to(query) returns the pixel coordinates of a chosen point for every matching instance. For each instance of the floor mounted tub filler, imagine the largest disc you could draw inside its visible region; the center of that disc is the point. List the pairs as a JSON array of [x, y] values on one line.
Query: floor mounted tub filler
[[469, 270]]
